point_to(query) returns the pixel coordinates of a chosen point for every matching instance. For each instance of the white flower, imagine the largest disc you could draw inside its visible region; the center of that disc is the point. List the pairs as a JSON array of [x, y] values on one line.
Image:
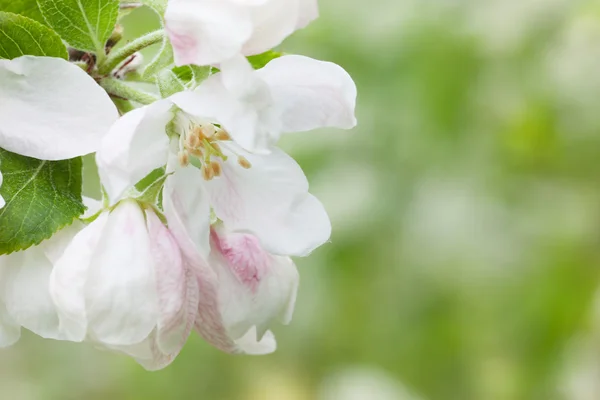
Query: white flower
[[265, 194], [207, 32], [24, 298], [242, 289], [290, 94], [51, 109], [122, 284]]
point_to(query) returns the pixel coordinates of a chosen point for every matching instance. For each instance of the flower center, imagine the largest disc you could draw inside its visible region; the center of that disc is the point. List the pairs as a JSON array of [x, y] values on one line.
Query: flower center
[[200, 141]]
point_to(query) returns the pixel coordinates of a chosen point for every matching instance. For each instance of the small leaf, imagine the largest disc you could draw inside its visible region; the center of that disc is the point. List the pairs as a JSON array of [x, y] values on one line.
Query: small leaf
[[260, 60], [192, 75], [168, 83], [41, 198], [163, 59], [150, 188], [20, 36], [84, 24], [27, 8]]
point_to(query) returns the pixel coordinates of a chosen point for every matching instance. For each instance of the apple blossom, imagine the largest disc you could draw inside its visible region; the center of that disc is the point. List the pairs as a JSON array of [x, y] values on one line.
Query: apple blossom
[[205, 32], [266, 194], [123, 285]]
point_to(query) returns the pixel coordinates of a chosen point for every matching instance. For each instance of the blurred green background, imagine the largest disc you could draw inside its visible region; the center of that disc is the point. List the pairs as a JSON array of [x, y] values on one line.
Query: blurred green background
[[465, 258]]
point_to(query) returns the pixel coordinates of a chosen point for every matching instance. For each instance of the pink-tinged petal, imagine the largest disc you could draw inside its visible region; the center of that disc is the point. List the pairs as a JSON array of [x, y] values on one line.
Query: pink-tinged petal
[[177, 291], [273, 21], [186, 206], [47, 119], [176, 287], [205, 32], [120, 291], [135, 145], [242, 290], [256, 287], [310, 93], [271, 200], [68, 280]]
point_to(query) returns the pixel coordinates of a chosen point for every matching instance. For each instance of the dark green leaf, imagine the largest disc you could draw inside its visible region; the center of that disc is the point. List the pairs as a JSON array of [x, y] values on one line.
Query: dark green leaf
[[84, 24], [41, 198], [20, 36], [27, 8]]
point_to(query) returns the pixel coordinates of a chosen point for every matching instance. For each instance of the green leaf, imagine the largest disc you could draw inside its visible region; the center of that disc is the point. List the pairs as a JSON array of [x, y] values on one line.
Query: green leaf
[[168, 83], [163, 59], [41, 198], [27, 8], [192, 75], [150, 188], [260, 60], [84, 24], [20, 36]]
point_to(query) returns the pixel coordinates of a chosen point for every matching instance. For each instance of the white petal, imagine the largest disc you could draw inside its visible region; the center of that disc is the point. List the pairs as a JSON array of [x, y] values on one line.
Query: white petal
[[310, 93], [240, 101], [206, 32], [135, 145], [51, 109], [273, 22], [186, 206], [93, 206], [271, 200], [69, 277], [26, 293], [10, 330], [120, 292], [309, 11]]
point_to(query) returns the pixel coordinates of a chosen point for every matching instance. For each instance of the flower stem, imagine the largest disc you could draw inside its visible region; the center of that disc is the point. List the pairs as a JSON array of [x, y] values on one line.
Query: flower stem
[[116, 57], [117, 88]]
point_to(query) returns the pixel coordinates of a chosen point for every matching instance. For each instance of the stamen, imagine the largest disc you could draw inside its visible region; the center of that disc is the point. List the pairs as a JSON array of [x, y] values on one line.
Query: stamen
[[184, 158], [207, 172], [243, 161], [222, 135], [216, 167], [193, 141]]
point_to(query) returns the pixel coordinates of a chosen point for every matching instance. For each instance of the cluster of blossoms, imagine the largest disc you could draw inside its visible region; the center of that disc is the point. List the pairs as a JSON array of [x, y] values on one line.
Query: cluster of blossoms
[[205, 243]]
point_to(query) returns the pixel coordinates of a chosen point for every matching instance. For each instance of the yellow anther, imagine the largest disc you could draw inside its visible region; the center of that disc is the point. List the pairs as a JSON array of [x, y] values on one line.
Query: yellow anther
[[193, 141], [222, 135], [243, 161], [207, 172], [216, 167], [184, 158]]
